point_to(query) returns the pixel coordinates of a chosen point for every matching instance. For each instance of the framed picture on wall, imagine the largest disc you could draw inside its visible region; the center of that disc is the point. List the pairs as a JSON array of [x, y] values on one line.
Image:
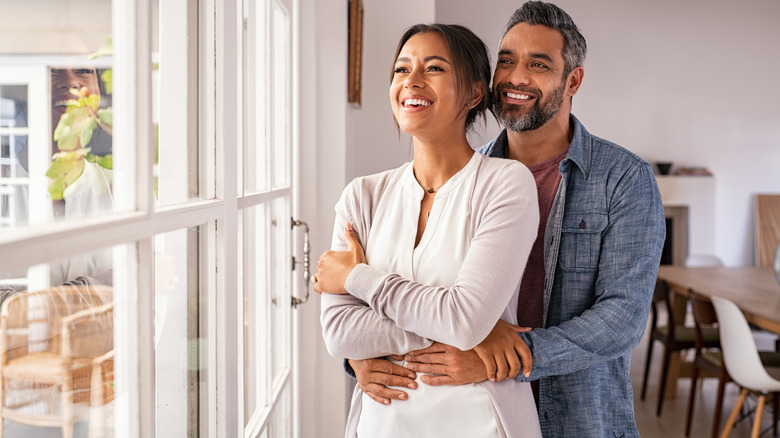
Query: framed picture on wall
[[354, 69]]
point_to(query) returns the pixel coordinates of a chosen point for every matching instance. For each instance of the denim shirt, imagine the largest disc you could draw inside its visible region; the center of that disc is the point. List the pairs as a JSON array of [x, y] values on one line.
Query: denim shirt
[[602, 250]]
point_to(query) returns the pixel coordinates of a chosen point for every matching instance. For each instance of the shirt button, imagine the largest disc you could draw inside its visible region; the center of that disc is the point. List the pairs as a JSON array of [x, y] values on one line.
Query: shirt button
[[582, 225], [545, 416]]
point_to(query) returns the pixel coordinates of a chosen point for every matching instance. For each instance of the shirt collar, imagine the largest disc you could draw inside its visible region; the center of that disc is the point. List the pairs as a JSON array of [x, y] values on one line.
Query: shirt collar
[[579, 150]]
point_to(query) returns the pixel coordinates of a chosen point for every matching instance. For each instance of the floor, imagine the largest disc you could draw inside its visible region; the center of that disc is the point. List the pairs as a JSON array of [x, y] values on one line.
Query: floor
[[672, 420]]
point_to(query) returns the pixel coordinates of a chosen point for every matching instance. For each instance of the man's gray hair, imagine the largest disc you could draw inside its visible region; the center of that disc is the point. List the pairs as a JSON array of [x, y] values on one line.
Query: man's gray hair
[[550, 15]]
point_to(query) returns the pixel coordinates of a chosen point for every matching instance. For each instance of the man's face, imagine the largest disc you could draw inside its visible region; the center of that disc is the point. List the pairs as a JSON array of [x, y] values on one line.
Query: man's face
[[63, 80], [528, 85]]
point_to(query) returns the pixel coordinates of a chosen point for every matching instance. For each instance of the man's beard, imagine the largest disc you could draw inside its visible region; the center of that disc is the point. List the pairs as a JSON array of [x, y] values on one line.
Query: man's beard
[[541, 112]]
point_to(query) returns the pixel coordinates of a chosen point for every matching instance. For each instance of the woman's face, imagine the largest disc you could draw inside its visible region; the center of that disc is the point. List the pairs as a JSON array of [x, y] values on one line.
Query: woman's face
[[423, 93]]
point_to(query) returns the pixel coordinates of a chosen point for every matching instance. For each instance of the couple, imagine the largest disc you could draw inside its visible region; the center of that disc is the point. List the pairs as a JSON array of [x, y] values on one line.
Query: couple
[[562, 233]]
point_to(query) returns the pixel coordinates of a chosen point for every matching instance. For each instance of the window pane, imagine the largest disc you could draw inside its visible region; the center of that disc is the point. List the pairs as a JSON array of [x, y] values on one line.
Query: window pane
[[280, 288], [256, 112], [256, 222], [178, 164], [180, 334], [56, 118], [282, 96], [57, 338]]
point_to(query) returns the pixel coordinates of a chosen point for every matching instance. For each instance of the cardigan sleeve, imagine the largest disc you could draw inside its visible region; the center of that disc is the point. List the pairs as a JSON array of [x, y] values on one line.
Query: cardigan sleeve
[[349, 327], [506, 218]]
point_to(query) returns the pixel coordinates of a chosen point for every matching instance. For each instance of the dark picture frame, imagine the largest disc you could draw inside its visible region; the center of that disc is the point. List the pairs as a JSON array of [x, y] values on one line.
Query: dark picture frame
[[355, 61]]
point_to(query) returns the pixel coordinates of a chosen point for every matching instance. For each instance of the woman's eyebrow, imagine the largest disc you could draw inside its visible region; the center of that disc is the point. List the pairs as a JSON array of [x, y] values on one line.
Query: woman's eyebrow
[[426, 59]]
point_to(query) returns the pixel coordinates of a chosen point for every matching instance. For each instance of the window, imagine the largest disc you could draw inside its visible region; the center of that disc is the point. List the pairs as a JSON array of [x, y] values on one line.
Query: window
[[146, 161]]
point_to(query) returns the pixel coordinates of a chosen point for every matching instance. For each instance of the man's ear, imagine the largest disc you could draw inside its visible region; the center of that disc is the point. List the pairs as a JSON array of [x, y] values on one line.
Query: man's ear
[[574, 80]]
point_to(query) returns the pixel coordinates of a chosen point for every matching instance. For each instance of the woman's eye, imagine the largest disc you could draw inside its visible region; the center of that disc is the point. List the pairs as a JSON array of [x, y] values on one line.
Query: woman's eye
[[400, 70], [435, 68], [83, 71]]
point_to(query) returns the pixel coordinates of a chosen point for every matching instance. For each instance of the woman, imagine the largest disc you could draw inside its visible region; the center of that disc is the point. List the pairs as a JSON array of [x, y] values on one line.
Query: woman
[[443, 238]]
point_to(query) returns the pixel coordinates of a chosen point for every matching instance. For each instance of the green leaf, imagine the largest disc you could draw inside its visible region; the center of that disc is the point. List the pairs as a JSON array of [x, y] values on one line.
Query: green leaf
[[105, 161], [92, 102], [107, 49], [108, 78], [76, 124], [64, 170], [106, 115]]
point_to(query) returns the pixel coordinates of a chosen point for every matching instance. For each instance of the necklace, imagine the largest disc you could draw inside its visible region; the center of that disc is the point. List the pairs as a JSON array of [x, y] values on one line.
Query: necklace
[[431, 190]]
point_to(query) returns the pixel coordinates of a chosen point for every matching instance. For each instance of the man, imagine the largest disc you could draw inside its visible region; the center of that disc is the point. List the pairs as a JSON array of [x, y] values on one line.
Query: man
[[589, 281]]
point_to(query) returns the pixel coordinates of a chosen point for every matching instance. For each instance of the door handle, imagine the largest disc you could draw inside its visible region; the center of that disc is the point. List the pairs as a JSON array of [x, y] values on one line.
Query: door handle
[[306, 261]]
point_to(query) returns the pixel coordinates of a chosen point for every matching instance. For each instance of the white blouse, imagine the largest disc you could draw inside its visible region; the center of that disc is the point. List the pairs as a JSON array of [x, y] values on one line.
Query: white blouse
[[435, 262]]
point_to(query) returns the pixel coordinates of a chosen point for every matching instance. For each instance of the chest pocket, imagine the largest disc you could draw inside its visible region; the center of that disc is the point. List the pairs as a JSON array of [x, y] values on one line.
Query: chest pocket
[[581, 240]]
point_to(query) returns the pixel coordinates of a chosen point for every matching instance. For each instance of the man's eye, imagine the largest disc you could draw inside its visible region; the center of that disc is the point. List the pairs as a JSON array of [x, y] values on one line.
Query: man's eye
[[538, 65], [83, 71]]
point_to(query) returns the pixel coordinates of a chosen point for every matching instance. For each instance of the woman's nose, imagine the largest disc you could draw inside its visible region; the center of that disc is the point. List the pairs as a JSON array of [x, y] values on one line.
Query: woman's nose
[[414, 79]]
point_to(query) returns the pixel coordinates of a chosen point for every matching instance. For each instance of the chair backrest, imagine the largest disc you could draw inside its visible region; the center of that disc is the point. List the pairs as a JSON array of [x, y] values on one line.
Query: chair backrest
[[703, 261], [740, 353], [703, 315], [34, 321]]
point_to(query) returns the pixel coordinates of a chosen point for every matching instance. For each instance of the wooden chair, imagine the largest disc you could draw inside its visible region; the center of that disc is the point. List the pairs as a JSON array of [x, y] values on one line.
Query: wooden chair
[[710, 361], [48, 342], [743, 362], [675, 336]]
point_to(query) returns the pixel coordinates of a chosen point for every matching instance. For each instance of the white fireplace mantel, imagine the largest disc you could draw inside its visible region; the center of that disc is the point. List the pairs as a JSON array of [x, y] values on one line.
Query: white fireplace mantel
[[697, 193]]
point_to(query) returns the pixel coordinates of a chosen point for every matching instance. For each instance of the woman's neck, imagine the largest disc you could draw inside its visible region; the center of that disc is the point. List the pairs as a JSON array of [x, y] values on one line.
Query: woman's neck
[[436, 162]]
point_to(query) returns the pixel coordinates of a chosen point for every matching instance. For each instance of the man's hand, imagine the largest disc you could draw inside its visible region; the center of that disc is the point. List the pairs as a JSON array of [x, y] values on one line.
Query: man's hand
[[499, 352], [375, 375], [454, 367], [495, 358], [334, 267]]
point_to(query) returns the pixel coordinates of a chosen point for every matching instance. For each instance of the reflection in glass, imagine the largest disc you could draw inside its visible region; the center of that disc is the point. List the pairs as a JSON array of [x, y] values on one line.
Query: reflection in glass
[[13, 106], [56, 346]]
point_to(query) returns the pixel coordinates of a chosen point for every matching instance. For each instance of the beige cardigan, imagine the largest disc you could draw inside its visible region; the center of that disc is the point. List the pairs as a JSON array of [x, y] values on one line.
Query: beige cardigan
[[387, 314]]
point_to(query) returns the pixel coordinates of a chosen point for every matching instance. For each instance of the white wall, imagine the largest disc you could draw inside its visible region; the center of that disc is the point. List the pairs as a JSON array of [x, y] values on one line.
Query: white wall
[[663, 79], [687, 82]]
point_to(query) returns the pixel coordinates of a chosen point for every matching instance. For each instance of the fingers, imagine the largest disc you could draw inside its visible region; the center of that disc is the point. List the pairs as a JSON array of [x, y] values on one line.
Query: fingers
[[514, 366], [427, 368], [520, 329], [349, 235], [436, 347], [490, 364], [525, 356], [382, 394], [376, 377], [437, 380]]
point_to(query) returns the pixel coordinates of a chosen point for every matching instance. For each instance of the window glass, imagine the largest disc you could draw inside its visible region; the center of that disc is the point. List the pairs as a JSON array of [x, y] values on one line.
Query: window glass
[[178, 161], [56, 115], [256, 223], [57, 344], [180, 334]]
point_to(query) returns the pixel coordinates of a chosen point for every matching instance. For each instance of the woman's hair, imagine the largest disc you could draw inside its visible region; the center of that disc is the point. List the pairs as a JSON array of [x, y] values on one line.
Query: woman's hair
[[470, 61], [547, 14]]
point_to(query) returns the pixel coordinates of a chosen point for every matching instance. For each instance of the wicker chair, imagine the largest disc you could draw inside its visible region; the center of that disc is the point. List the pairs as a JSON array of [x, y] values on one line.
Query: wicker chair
[[49, 341]]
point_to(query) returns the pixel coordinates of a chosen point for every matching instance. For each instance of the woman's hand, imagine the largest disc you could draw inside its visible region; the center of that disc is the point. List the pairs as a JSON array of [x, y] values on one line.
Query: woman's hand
[[335, 266], [500, 350]]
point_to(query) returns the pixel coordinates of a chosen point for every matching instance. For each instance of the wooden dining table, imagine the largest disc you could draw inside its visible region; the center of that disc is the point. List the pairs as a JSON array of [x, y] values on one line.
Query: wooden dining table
[[754, 290]]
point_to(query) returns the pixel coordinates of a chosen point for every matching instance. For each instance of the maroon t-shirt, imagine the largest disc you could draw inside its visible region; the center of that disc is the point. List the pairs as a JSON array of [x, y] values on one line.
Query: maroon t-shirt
[[530, 306]]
